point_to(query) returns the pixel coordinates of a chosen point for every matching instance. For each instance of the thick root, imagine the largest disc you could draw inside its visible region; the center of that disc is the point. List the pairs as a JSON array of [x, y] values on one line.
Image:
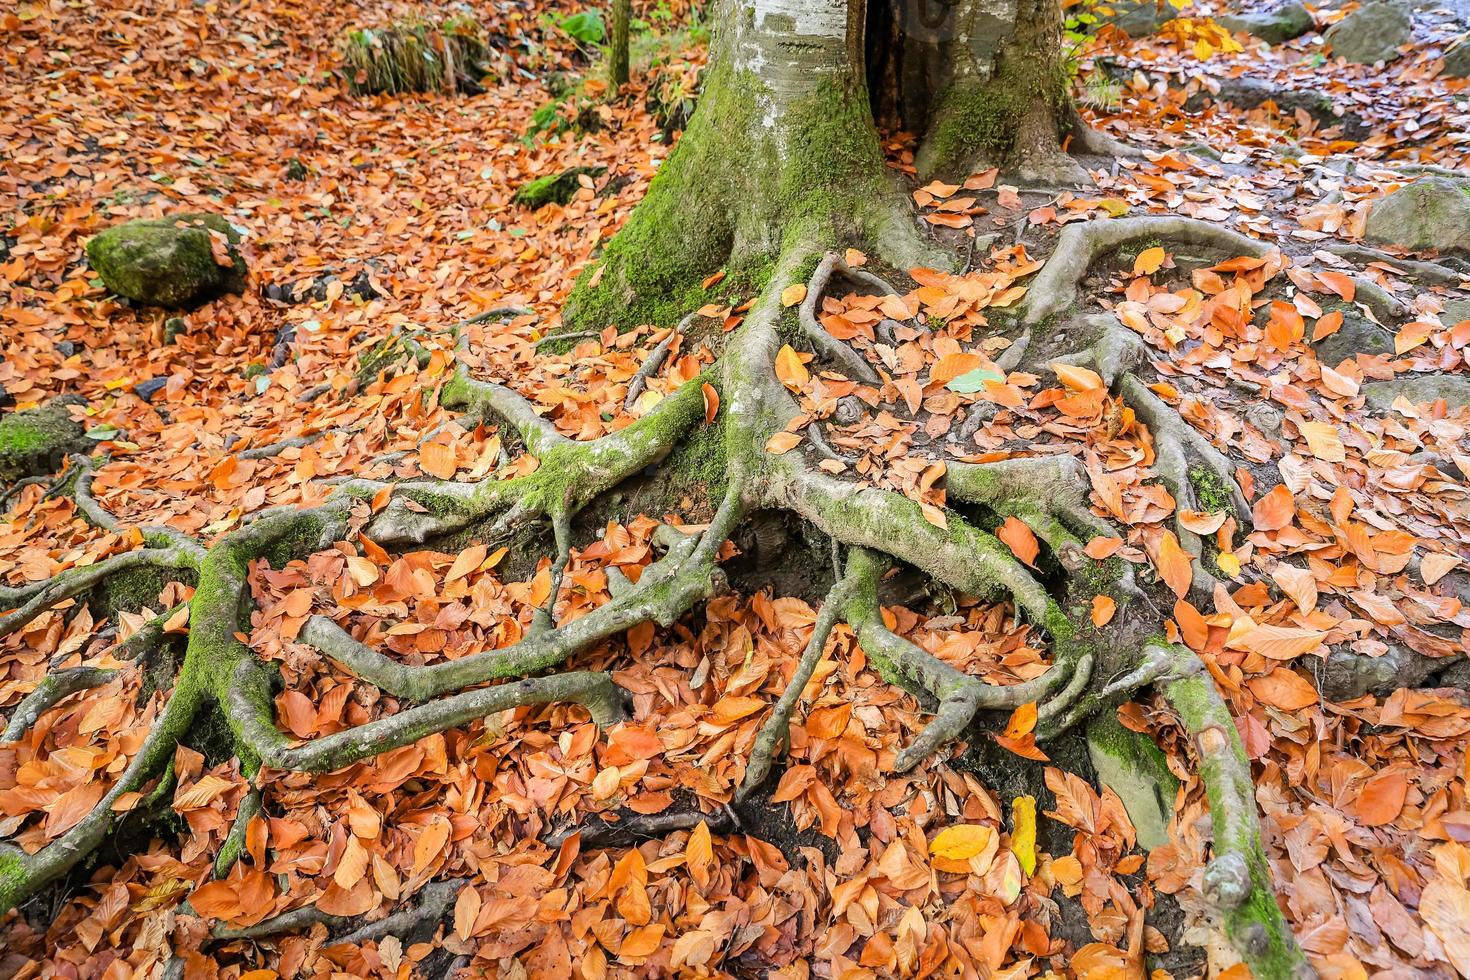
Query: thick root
[[1238, 880], [1079, 246]]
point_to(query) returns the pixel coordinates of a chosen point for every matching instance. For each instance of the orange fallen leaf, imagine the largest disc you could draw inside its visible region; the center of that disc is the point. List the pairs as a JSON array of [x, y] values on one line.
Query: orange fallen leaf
[[1020, 539]]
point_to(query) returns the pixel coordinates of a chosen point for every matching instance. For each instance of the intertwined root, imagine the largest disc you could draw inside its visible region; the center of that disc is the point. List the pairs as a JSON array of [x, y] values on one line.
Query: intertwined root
[[874, 528]]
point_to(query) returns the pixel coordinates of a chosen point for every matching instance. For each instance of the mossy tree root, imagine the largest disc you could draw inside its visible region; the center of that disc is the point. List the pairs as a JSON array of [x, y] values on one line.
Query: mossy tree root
[[1238, 880], [1199, 476], [823, 343], [219, 668], [876, 527]]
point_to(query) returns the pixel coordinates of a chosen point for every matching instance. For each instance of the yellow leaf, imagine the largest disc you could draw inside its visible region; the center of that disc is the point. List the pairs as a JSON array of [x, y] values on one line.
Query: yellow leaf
[[1149, 261], [1023, 832], [1229, 564], [789, 369], [793, 294], [961, 842], [1114, 206]]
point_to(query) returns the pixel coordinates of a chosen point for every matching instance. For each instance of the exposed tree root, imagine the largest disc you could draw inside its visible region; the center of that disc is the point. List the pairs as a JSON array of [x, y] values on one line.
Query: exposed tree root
[[1238, 881], [53, 689], [1079, 246], [876, 528]]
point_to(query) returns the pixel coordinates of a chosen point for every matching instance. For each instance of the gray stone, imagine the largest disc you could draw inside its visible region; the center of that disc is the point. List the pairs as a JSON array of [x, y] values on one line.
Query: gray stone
[[1430, 213], [34, 442], [1357, 335], [1370, 34], [1284, 23], [167, 262], [1457, 60], [1139, 18], [1132, 766], [1421, 389], [1454, 311]]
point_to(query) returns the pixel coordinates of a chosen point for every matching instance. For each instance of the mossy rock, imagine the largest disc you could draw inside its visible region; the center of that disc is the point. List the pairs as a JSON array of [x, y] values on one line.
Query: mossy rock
[[1370, 34], [1430, 213], [1420, 389], [36, 441], [168, 262], [555, 188], [1133, 766], [1277, 26]]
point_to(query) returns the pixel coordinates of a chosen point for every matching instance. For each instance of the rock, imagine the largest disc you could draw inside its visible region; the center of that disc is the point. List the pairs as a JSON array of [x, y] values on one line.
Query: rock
[[555, 188], [1357, 335], [36, 441], [1264, 417], [1248, 93], [1370, 34], [1430, 213], [1457, 61], [1133, 767], [1421, 389], [1138, 18], [147, 389], [849, 409], [1284, 23], [7, 400], [1455, 311], [167, 262]]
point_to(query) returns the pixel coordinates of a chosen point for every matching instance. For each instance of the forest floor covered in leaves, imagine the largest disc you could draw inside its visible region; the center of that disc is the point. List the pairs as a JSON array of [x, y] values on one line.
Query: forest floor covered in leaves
[[364, 214]]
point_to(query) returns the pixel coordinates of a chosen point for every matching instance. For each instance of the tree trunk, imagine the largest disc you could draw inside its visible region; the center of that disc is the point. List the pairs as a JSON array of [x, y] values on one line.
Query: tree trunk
[[617, 69], [996, 86], [783, 139]]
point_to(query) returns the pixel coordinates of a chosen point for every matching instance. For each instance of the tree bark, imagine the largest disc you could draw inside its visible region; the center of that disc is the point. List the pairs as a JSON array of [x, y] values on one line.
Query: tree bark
[[622, 13], [984, 82], [783, 139]]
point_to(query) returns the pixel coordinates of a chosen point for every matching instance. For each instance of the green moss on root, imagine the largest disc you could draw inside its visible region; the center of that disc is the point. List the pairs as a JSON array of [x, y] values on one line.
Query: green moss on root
[[34, 442], [730, 196], [1212, 494]]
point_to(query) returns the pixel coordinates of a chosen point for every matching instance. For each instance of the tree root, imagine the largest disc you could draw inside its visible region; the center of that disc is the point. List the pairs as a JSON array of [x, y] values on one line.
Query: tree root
[[775, 734], [28, 602], [1427, 272], [635, 827], [234, 843], [53, 689], [1079, 246], [654, 362], [1238, 881], [434, 902], [877, 527], [847, 360], [665, 591], [1183, 457]]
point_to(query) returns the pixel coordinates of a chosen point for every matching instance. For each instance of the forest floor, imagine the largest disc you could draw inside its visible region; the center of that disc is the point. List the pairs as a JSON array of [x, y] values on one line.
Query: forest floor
[[365, 214]]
